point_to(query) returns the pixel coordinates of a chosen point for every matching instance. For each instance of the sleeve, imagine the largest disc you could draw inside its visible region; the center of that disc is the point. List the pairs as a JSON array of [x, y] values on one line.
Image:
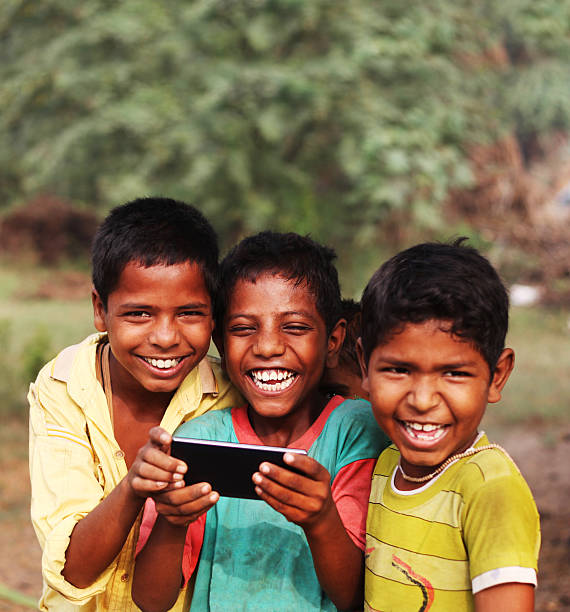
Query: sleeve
[[350, 491], [359, 443], [64, 480], [502, 533]]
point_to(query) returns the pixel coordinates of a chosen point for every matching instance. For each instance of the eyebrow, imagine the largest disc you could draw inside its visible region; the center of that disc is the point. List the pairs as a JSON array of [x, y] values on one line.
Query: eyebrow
[[444, 366], [135, 306], [288, 313]]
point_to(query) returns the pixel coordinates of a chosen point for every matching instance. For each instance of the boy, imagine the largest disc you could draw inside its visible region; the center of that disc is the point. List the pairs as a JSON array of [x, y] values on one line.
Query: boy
[[299, 547], [346, 377], [154, 271], [451, 522]]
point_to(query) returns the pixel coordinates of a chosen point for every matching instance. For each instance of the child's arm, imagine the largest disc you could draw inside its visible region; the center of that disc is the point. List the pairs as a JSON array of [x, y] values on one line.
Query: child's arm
[[99, 537], [158, 568], [308, 502], [158, 574], [509, 597]]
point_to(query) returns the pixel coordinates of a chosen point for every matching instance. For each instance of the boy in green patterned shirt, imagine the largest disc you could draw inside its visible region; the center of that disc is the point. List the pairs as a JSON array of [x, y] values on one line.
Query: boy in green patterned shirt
[[451, 524]]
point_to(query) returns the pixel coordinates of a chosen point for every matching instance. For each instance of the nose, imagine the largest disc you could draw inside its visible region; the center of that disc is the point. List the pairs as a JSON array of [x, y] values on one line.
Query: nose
[[423, 395], [165, 333], [268, 344]]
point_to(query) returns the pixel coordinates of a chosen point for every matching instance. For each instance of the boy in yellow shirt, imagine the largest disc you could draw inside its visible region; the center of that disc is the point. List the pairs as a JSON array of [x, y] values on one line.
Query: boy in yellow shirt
[[451, 522], [155, 267]]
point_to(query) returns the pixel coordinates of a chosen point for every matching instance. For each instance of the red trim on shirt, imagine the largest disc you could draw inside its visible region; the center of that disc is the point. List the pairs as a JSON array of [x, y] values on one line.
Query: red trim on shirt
[[246, 435]]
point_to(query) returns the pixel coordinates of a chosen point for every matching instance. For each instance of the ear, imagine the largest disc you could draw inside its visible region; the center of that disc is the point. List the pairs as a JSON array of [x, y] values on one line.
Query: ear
[[335, 342], [363, 366], [98, 311], [501, 374]]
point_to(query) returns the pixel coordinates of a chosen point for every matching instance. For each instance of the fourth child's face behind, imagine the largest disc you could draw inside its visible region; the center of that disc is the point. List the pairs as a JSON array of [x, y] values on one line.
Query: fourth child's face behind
[[429, 390], [159, 321], [276, 346]]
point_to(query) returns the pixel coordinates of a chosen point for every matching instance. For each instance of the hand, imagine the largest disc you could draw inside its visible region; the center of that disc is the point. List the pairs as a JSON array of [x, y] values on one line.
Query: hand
[[153, 468], [183, 506], [304, 499]]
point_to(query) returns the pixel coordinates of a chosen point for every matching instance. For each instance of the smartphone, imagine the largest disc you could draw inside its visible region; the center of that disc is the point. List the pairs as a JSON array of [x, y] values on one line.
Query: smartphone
[[227, 466]]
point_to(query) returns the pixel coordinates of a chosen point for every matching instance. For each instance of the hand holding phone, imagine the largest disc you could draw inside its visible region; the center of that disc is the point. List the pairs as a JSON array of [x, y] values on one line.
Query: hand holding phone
[[228, 467]]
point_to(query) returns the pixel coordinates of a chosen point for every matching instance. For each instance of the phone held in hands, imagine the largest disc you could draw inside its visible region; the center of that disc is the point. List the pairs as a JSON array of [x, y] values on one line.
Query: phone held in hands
[[227, 466]]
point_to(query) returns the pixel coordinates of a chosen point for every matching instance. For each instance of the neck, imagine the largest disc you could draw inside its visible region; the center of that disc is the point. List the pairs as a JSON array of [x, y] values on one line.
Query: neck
[[283, 431], [129, 395]]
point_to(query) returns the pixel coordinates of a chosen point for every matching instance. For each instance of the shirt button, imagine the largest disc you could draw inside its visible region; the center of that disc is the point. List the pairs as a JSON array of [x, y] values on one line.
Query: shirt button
[[124, 577], [119, 454]]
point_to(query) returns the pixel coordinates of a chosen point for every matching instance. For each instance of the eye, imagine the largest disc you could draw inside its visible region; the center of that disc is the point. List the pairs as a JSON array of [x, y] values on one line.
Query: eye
[[241, 329], [457, 374], [395, 370], [193, 313], [135, 314], [297, 328]]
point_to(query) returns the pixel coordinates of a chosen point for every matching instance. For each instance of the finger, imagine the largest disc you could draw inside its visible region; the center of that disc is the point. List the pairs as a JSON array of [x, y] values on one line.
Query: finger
[[144, 486], [151, 455], [294, 513], [184, 495], [309, 466], [183, 520], [308, 497], [314, 474], [160, 438], [189, 502]]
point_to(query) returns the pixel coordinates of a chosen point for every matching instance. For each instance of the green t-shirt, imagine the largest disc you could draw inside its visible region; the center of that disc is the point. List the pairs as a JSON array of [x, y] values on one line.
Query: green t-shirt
[[472, 527]]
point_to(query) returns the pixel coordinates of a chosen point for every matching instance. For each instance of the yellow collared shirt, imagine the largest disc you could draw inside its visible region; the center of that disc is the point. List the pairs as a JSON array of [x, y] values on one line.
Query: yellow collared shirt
[[75, 462]]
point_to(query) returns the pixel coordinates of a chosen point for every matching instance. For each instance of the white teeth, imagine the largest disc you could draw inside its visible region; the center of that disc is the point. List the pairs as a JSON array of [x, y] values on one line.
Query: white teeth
[[163, 364], [422, 427], [426, 431], [280, 379]]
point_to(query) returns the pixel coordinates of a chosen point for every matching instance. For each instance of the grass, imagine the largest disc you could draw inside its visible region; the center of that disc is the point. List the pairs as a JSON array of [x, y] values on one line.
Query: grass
[[538, 390], [34, 329]]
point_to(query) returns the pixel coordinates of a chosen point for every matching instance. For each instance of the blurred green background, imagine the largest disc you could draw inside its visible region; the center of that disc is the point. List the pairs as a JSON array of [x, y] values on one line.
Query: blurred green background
[[369, 125]]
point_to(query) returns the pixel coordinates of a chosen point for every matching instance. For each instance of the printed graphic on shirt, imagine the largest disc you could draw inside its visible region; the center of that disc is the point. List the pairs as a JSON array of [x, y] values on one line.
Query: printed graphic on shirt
[[421, 582]]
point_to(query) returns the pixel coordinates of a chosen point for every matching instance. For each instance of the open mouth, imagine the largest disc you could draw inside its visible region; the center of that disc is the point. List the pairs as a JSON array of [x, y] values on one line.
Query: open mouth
[[428, 432], [272, 380], [163, 364]]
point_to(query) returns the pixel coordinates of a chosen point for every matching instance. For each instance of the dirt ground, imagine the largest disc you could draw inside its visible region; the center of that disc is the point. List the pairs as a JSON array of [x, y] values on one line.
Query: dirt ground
[[542, 455]]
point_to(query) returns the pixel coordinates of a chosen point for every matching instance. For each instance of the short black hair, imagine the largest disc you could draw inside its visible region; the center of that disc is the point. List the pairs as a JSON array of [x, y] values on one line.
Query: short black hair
[[289, 255], [348, 355], [152, 231], [448, 282]]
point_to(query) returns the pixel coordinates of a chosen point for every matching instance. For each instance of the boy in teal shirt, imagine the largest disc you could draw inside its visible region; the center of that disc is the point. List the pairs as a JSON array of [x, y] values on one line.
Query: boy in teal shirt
[[300, 546]]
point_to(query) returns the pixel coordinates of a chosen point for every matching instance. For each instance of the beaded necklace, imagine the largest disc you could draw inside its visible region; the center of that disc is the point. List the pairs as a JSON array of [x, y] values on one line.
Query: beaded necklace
[[449, 461]]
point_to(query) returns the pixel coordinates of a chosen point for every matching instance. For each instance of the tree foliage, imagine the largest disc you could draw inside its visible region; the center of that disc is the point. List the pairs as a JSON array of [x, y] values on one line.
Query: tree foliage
[[314, 116]]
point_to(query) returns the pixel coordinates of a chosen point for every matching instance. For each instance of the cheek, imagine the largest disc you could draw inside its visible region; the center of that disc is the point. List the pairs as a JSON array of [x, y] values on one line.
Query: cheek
[[233, 350]]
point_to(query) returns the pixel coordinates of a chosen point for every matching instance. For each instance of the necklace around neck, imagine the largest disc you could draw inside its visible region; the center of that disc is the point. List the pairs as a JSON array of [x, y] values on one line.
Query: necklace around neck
[[449, 461]]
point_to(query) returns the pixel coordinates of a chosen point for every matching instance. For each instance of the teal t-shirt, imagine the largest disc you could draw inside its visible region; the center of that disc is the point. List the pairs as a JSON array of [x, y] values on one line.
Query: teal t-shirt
[[252, 558]]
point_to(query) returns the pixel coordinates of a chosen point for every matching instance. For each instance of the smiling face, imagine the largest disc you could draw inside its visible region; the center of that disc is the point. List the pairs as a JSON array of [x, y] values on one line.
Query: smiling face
[[159, 322], [429, 390], [275, 348]]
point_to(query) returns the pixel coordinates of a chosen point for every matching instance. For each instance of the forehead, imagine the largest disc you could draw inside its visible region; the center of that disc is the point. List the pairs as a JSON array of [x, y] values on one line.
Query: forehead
[[173, 283], [428, 342], [271, 293]]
